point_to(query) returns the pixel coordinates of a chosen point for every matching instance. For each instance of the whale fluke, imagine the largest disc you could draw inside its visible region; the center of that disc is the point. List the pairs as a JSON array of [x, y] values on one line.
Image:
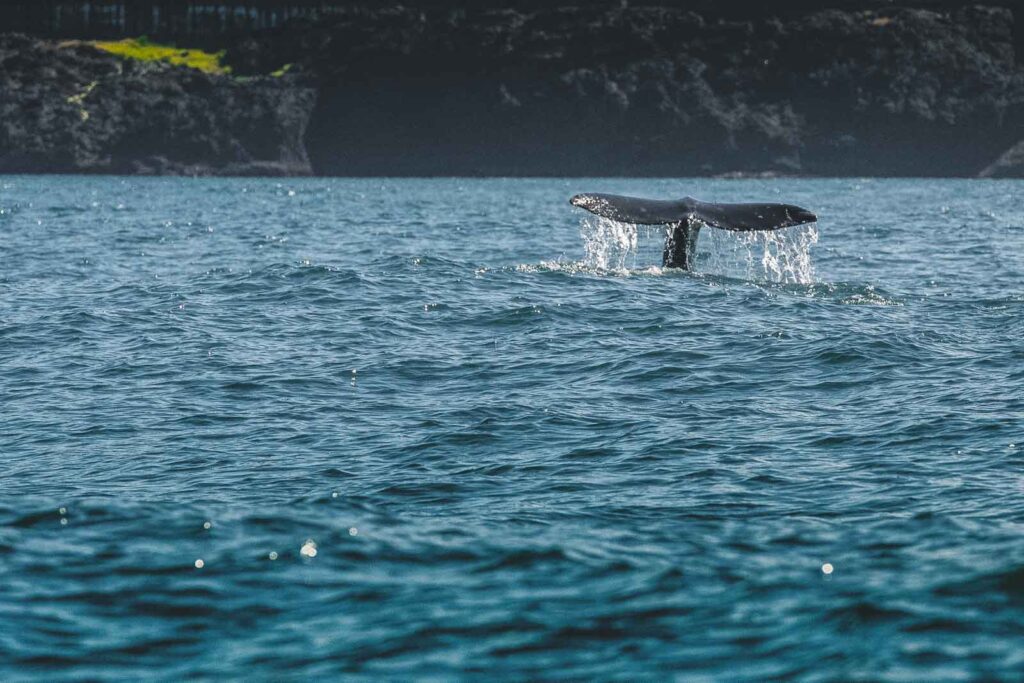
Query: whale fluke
[[688, 215], [740, 217]]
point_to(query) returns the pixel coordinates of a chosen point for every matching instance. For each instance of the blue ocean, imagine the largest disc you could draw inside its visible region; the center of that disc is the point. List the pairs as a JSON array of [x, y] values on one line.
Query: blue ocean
[[456, 428]]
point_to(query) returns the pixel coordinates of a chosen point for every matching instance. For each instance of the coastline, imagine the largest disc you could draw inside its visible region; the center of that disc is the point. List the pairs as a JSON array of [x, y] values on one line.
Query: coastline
[[568, 91]]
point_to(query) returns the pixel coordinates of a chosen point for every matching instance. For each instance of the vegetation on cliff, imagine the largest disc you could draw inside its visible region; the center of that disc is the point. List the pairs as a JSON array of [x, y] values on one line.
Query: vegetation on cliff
[[143, 50], [563, 90], [71, 107]]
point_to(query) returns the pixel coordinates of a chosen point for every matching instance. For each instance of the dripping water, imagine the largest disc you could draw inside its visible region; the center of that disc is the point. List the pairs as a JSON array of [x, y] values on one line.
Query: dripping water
[[778, 256]]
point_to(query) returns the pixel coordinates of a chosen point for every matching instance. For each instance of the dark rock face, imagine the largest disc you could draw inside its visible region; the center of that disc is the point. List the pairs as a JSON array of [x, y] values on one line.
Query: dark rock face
[[646, 90], [557, 91], [72, 108]]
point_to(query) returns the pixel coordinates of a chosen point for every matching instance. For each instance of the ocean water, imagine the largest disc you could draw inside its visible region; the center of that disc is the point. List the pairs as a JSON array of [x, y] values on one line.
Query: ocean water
[[453, 428]]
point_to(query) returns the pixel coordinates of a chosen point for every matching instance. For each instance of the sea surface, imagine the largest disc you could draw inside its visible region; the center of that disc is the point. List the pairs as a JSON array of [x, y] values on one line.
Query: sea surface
[[403, 429]]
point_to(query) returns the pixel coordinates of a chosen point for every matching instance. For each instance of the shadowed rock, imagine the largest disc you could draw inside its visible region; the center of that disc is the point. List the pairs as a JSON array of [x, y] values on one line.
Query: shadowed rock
[[547, 91], [593, 91], [67, 107]]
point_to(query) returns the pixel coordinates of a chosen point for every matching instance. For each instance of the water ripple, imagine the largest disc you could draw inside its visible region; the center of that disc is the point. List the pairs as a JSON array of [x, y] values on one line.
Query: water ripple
[[421, 429]]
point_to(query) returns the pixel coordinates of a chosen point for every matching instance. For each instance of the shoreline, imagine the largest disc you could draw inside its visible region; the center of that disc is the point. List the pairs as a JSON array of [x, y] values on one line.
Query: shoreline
[[640, 92]]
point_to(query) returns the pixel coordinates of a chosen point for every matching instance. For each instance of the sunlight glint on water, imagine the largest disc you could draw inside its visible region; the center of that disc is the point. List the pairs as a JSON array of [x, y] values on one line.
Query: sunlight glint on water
[[543, 466]]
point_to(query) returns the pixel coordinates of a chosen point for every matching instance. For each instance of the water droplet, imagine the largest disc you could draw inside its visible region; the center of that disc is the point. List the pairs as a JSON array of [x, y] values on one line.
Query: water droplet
[[63, 521], [334, 494], [272, 555], [207, 525], [827, 568], [200, 564], [64, 511], [308, 548], [352, 531]]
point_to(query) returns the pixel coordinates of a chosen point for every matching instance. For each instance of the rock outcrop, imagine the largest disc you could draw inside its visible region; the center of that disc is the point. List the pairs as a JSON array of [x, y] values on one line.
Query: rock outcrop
[[649, 90], [1009, 165], [570, 90], [70, 108]]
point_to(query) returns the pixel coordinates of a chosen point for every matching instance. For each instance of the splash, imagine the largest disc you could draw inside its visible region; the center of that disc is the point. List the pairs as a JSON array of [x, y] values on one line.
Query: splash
[[615, 247], [608, 244], [778, 256]]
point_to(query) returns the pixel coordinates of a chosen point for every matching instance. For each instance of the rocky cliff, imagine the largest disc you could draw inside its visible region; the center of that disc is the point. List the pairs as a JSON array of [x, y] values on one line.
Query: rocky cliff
[[70, 108], [665, 91], [558, 91]]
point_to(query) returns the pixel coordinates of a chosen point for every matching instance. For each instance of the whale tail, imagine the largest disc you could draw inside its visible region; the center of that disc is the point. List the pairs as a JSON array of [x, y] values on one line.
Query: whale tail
[[688, 215], [742, 217]]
